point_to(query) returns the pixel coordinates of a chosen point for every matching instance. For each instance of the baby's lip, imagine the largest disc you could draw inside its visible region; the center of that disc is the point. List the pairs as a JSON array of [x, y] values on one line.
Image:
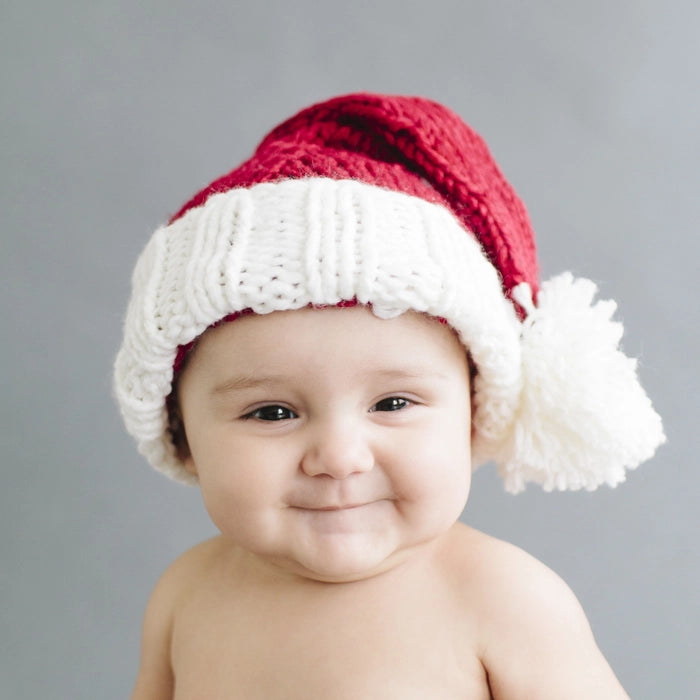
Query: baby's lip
[[332, 507]]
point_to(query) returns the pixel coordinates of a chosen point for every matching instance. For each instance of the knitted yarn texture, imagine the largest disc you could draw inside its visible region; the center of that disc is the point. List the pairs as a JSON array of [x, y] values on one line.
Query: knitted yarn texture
[[396, 203]]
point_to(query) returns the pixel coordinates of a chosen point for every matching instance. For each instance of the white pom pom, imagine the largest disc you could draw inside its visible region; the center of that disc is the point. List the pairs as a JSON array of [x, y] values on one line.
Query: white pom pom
[[583, 418]]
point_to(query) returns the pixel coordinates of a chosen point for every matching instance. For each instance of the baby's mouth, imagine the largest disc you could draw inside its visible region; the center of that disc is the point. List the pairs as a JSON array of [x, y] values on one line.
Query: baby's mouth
[[323, 509]]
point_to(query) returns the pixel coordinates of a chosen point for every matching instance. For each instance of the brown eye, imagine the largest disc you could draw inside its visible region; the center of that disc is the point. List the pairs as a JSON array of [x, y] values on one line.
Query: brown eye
[[272, 413], [393, 403]]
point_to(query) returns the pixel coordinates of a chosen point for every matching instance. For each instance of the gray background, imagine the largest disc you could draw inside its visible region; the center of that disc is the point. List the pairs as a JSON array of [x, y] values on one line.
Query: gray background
[[114, 113]]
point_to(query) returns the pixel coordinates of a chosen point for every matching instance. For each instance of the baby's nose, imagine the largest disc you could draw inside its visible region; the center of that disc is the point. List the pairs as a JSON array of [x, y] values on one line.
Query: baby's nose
[[337, 451]]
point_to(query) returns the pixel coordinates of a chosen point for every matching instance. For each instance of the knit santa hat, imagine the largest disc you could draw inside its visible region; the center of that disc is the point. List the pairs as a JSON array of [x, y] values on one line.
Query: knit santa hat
[[393, 202]]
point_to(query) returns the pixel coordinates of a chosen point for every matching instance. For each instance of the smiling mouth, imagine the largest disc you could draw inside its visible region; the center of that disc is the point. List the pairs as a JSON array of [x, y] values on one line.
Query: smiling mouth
[[333, 508], [327, 509]]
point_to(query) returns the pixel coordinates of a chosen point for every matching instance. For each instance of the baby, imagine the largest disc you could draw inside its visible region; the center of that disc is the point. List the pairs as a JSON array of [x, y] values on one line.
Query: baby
[[328, 340]]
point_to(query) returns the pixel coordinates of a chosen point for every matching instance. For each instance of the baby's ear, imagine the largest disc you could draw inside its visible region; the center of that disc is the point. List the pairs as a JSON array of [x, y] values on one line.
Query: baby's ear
[[188, 461], [184, 454], [176, 427], [182, 448]]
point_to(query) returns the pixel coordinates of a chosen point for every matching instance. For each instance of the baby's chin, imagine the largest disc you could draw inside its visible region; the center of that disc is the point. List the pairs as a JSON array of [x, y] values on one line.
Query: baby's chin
[[341, 572], [349, 566]]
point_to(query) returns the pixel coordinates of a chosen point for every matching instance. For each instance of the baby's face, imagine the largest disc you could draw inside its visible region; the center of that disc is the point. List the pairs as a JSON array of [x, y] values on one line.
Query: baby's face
[[329, 442]]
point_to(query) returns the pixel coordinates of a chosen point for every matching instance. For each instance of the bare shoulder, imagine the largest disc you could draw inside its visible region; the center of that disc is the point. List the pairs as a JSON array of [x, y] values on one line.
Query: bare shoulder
[[503, 573], [155, 678], [194, 563], [535, 639], [181, 577], [480, 561]]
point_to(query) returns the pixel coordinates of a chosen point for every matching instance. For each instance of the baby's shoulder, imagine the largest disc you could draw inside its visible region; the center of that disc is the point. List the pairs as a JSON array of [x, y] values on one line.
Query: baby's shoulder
[[533, 637], [171, 594], [480, 557], [186, 573], [501, 580]]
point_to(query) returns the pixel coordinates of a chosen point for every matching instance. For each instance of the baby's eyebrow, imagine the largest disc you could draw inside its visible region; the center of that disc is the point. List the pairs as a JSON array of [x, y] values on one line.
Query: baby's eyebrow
[[406, 373], [251, 381]]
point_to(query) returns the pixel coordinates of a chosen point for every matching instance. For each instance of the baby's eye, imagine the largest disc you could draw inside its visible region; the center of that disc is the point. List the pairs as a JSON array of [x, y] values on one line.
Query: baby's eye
[[393, 403], [271, 413]]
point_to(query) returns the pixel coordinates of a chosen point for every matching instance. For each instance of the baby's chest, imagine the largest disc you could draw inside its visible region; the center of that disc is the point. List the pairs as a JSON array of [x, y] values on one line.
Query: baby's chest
[[235, 655]]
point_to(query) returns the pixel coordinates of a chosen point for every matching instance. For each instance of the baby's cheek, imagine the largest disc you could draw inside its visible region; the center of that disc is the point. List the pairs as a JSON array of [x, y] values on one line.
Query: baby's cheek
[[437, 470]]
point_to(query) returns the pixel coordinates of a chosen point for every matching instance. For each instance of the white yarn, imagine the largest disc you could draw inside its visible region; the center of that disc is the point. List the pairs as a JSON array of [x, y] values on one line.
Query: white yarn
[[583, 416], [286, 245], [556, 402]]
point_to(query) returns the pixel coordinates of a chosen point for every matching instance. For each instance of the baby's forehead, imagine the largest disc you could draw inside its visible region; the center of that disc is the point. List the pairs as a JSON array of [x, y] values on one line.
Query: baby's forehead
[[319, 323], [312, 337]]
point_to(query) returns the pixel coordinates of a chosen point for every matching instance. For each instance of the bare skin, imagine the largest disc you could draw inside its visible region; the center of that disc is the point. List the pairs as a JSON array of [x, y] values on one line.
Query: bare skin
[[469, 617], [336, 480]]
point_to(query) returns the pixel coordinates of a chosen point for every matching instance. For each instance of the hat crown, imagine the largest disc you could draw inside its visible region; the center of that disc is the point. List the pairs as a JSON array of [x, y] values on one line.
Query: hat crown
[[408, 144]]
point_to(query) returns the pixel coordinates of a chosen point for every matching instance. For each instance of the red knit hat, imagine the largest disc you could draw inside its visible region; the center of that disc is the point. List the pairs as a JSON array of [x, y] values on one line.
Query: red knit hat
[[396, 203]]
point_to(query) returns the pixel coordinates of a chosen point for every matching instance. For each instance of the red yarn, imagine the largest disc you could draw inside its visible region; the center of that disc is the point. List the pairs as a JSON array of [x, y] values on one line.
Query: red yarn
[[408, 144]]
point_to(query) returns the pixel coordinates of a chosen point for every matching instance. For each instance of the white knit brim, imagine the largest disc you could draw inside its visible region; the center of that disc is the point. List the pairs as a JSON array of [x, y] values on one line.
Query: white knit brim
[[287, 245]]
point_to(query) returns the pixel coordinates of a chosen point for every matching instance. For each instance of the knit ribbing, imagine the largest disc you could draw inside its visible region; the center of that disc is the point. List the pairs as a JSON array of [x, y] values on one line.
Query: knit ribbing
[[295, 243], [395, 203], [408, 144]]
